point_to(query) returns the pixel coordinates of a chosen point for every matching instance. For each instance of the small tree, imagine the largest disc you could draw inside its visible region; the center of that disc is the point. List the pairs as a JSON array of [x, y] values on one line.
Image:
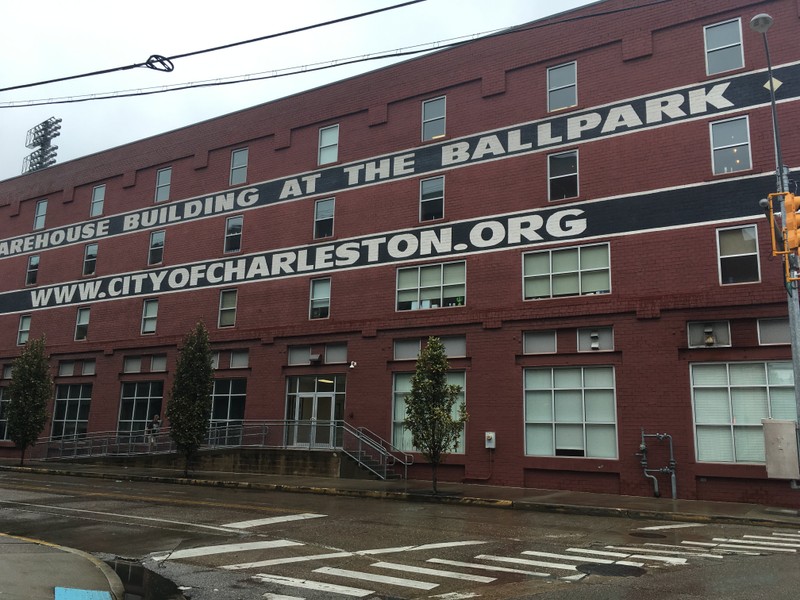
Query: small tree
[[189, 406], [30, 390], [435, 430]]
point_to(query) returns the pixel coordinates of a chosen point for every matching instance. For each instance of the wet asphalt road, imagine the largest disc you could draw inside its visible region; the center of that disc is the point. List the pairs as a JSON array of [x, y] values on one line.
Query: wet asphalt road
[[241, 544]]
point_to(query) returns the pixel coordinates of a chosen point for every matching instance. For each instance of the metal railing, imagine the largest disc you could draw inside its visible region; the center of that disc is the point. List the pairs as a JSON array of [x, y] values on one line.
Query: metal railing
[[365, 447]]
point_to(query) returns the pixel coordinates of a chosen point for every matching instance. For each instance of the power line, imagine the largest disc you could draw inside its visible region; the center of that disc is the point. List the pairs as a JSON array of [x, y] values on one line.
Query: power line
[[161, 63]]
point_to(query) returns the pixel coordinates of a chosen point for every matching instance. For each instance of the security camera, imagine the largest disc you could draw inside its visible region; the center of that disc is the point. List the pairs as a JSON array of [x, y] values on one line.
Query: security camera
[[353, 364]]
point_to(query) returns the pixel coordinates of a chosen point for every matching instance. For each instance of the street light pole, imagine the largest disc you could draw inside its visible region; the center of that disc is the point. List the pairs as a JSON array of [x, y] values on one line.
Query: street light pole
[[760, 24]]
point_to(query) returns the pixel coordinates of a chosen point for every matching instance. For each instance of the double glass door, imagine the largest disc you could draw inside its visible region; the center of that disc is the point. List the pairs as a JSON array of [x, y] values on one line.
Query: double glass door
[[315, 421]]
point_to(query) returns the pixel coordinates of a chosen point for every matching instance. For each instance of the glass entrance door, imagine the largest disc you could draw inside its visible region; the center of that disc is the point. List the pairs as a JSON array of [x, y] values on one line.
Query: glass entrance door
[[314, 420]]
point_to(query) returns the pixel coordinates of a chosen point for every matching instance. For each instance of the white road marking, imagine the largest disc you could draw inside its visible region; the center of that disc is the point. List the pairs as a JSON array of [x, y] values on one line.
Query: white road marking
[[770, 545], [457, 596], [791, 543], [599, 552], [667, 559], [270, 596], [313, 585], [420, 547], [224, 549], [434, 572], [586, 559], [398, 581], [285, 561], [730, 548], [531, 563], [654, 551], [457, 563], [675, 526], [272, 520]]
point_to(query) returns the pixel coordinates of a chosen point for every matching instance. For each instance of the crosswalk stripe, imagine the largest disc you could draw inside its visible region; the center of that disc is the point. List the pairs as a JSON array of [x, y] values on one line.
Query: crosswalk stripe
[[724, 547], [398, 581], [309, 584], [286, 560], [599, 552], [272, 520], [674, 526], [769, 544], [654, 551], [667, 559], [457, 563], [790, 542], [224, 549], [585, 559], [434, 572], [270, 596], [525, 561], [436, 546]]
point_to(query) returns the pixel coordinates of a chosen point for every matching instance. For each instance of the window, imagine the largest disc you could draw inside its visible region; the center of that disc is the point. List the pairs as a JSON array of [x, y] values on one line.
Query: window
[[4, 400], [336, 353], [773, 331], [155, 254], [570, 411], [402, 387], [215, 360], [299, 355], [562, 175], [723, 46], [431, 199], [328, 145], [562, 86], [82, 324], [240, 359], [40, 215], [139, 402], [24, 330], [71, 410], [158, 363], [238, 166], [594, 339], [737, 251], [32, 272], [88, 367], [233, 234], [163, 183], [539, 342], [432, 286], [227, 404], [8, 371], [729, 401], [227, 308], [708, 334], [433, 119], [132, 364], [730, 145], [320, 305], [455, 346], [98, 198], [89, 259], [572, 271], [149, 315], [407, 349], [66, 368], [323, 218]]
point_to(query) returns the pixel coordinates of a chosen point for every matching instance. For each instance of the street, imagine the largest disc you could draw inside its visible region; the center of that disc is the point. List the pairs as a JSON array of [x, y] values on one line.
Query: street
[[239, 544]]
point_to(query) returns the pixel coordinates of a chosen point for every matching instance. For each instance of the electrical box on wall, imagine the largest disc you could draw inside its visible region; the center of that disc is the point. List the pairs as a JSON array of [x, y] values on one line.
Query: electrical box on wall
[[780, 444], [489, 439]]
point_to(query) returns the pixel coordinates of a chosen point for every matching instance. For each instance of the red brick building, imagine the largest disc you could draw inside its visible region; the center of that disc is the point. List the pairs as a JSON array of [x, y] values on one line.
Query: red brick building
[[572, 205]]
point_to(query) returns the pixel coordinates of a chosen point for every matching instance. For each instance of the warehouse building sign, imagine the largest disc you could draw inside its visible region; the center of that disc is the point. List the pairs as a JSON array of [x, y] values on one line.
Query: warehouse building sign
[[657, 110]]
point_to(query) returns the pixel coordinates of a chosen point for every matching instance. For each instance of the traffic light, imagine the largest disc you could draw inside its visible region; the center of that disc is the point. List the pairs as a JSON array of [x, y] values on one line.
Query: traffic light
[[791, 207]]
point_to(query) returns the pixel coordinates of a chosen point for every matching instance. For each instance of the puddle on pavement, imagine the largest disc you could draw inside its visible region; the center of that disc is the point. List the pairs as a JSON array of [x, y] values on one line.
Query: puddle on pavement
[[144, 584]]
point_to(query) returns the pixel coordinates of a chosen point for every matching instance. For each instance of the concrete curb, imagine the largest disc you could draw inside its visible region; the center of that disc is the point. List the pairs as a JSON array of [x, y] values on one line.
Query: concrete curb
[[527, 505], [114, 582]]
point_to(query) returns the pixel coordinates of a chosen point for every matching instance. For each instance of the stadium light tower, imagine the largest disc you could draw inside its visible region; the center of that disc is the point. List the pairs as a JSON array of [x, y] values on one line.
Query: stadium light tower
[[41, 138]]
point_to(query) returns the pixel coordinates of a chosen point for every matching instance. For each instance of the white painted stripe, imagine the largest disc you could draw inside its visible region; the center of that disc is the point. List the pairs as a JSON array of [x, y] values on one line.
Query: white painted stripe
[[270, 596], [586, 559], [530, 563], [599, 552], [272, 520], [285, 561], [398, 581], [728, 548], [573, 577], [457, 563], [434, 572], [420, 547], [788, 542], [770, 544], [313, 585], [224, 549], [675, 526], [457, 596], [791, 535], [667, 559], [654, 551]]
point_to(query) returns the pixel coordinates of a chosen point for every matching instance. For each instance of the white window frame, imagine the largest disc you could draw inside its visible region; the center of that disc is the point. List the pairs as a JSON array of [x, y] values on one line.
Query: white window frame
[[238, 174], [318, 300], [579, 272], [783, 323], [66, 368], [149, 316], [89, 261], [319, 233], [446, 288], [709, 51], [754, 253], [98, 200], [327, 147], [32, 270], [239, 359], [551, 88], [569, 396], [430, 199], [82, 318], [132, 364], [226, 310], [88, 367], [718, 330], [158, 363], [40, 214], [230, 235], [551, 178], [163, 187], [155, 248], [401, 348], [595, 339], [75, 417], [735, 146], [23, 330], [527, 341], [336, 353], [434, 120]]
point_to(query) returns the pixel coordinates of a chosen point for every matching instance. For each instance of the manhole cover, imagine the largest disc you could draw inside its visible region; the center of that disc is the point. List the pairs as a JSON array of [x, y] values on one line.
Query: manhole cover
[[647, 534], [611, 570]]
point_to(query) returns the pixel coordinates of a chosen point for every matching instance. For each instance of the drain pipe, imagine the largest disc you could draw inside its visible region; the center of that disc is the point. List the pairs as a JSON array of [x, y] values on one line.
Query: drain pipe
[[643, 453], [669, 469]]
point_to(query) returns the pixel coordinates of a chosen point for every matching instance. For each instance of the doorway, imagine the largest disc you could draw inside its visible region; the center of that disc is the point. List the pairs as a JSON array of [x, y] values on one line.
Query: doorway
[[314, 405]]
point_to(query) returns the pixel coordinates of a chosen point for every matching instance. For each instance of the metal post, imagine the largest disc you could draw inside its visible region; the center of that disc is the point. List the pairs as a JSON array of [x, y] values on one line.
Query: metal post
[[761, 23]]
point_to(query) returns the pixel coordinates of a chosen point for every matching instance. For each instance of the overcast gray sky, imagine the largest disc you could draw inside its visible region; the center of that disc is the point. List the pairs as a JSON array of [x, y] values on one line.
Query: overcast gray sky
[[49, 39]]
